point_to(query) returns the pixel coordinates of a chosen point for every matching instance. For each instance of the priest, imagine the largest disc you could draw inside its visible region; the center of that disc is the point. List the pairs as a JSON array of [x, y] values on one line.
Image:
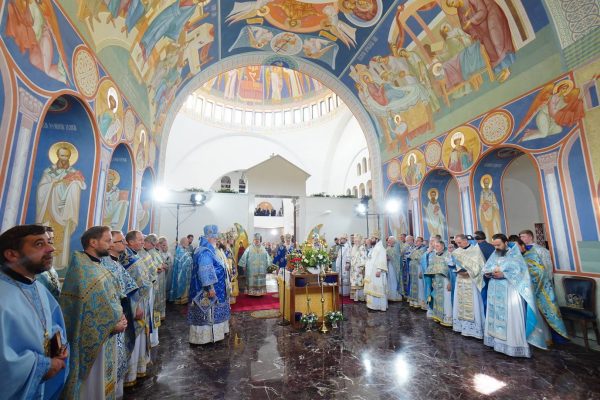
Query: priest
[[93, 316], [467, 312], [376, 275], [256, 260], [30, 317], [209, 309]]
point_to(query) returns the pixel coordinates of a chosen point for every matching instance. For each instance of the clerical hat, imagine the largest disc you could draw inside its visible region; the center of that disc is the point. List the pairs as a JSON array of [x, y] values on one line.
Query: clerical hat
[[211, 231]]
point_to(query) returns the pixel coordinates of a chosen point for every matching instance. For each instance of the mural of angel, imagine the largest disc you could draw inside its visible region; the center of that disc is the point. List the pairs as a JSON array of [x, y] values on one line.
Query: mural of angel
[[556, 106], [34, 27], [248, 9]]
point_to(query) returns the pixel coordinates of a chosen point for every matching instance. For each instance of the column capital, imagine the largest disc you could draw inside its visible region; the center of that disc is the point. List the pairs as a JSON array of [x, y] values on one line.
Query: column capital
[[29, 105], [548, 162]]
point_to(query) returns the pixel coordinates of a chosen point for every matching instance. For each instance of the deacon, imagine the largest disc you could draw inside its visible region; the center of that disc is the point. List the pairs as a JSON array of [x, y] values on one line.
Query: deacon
[[163, 247], [511, 311], [209, 310], [50, 278], [394, 278], [439, 298], [376, 275], [413, 259], [31, 318], [467, 311], [542, 253], [128, 293], [358, 259], [342, 264], [256, 260], [138, 270], [150, 256], [94, 316], [182, 271]]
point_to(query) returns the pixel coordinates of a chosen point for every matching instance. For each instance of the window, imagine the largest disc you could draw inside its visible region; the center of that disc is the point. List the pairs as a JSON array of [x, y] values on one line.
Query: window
[[348, 192], [288, 117], [199, 105], [369, 163], [278, 118], [237, 116], [358, 169], [218, 112], [242, 186], [208, 108], [228, 114], [330, 103], [355, 191], [297, 116], [248, 118], [268, 119], [323, 107], [258, 118], [315, 111], [225, 182], [364, 164], [369, 188], [306, 114], [361, 190]]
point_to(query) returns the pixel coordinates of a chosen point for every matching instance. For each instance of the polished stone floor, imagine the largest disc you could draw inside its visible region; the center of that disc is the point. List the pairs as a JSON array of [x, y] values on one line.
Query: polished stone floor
[[393, 355]]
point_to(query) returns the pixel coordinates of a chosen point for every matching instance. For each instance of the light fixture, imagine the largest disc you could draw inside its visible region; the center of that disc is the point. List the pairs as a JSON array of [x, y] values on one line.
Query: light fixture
[[160, 194], [197, 198], [361, 208], [274, 232], [392, 206]]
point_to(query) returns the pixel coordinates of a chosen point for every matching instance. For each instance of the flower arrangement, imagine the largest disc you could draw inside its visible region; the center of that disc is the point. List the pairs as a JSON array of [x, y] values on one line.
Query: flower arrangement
[[294, 262], [334, 316], [315, 253], [308, 320]]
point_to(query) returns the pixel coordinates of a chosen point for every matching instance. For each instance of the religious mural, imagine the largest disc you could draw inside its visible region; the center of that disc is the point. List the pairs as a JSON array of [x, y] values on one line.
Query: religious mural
[[109, 112], [398, 223], [461, 148], [117, 195], [264, 84], [489, 208], [438, 57], [413, 168], [62, 175], [144, 207]]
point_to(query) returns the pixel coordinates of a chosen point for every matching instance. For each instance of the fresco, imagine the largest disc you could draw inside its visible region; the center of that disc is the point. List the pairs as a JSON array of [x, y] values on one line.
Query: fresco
[[144, 207], [326, 32], [413, 168], [398, 224], [433, 200], [62, 176], [438, 57], [150, 48], [461, 148], [109, 112], [264, 85], [117, 196]]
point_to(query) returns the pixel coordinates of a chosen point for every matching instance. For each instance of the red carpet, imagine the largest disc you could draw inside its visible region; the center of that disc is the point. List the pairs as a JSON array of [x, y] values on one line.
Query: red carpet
[[252, 303], [266, 302]]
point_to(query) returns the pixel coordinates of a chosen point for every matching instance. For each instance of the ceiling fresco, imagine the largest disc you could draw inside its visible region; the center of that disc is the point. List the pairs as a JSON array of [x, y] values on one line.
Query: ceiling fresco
[[264, 85], [419, 67]]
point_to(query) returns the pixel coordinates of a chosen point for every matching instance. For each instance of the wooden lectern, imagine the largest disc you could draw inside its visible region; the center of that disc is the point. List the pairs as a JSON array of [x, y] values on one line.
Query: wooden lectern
[[296, 289]]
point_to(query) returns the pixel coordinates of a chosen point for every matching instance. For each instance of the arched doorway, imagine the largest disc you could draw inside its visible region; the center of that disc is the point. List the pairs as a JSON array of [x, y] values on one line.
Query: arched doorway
[[437, 206], [119, 181], [507, 194], [62, 176]]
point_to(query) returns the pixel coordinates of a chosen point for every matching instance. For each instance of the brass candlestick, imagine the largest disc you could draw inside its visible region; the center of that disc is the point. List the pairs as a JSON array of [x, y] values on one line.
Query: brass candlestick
[[322, 279]]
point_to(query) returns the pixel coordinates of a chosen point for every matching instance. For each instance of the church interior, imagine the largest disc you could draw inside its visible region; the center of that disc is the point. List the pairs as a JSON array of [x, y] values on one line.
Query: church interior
[[241, 121]]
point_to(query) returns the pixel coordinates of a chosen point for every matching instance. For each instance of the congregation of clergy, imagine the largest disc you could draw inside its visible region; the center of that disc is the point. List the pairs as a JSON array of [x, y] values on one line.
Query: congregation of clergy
[[93, 334]]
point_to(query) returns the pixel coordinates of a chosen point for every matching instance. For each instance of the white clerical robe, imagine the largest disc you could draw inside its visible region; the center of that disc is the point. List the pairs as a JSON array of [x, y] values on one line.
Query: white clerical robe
[[376, 286]]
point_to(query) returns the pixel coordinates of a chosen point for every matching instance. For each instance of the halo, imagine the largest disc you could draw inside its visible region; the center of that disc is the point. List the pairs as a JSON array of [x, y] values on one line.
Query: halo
[[54, 148], [437, 69], [569, 83], [433, 190], [489, 177], [413, 156], [447, 9], [116, 175], [112, 92], [397, 119], [456, 135]]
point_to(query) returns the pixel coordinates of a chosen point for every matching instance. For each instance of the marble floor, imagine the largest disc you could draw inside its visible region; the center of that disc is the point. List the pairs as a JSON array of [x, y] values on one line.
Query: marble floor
[[393, 355]]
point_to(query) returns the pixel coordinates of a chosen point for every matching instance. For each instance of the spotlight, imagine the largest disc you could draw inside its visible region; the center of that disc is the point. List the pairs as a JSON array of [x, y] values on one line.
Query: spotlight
[[392, 206], [197, 199], [160, 194], [361, 208]]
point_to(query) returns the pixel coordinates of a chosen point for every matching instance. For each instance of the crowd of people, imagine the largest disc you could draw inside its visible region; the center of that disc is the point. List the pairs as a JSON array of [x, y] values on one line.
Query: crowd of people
[[91, 335], [501, 292]]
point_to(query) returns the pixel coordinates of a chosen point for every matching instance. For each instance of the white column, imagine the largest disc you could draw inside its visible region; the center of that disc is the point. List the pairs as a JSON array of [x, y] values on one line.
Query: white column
[[548, 164], [465, 201], [416, 212], [30, 109]]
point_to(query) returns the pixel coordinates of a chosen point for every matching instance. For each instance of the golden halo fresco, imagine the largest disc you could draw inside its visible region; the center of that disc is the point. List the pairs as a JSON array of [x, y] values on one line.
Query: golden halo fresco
[[70, 146], [394, 168], [413, 168], [109, 112], [461, 148]]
